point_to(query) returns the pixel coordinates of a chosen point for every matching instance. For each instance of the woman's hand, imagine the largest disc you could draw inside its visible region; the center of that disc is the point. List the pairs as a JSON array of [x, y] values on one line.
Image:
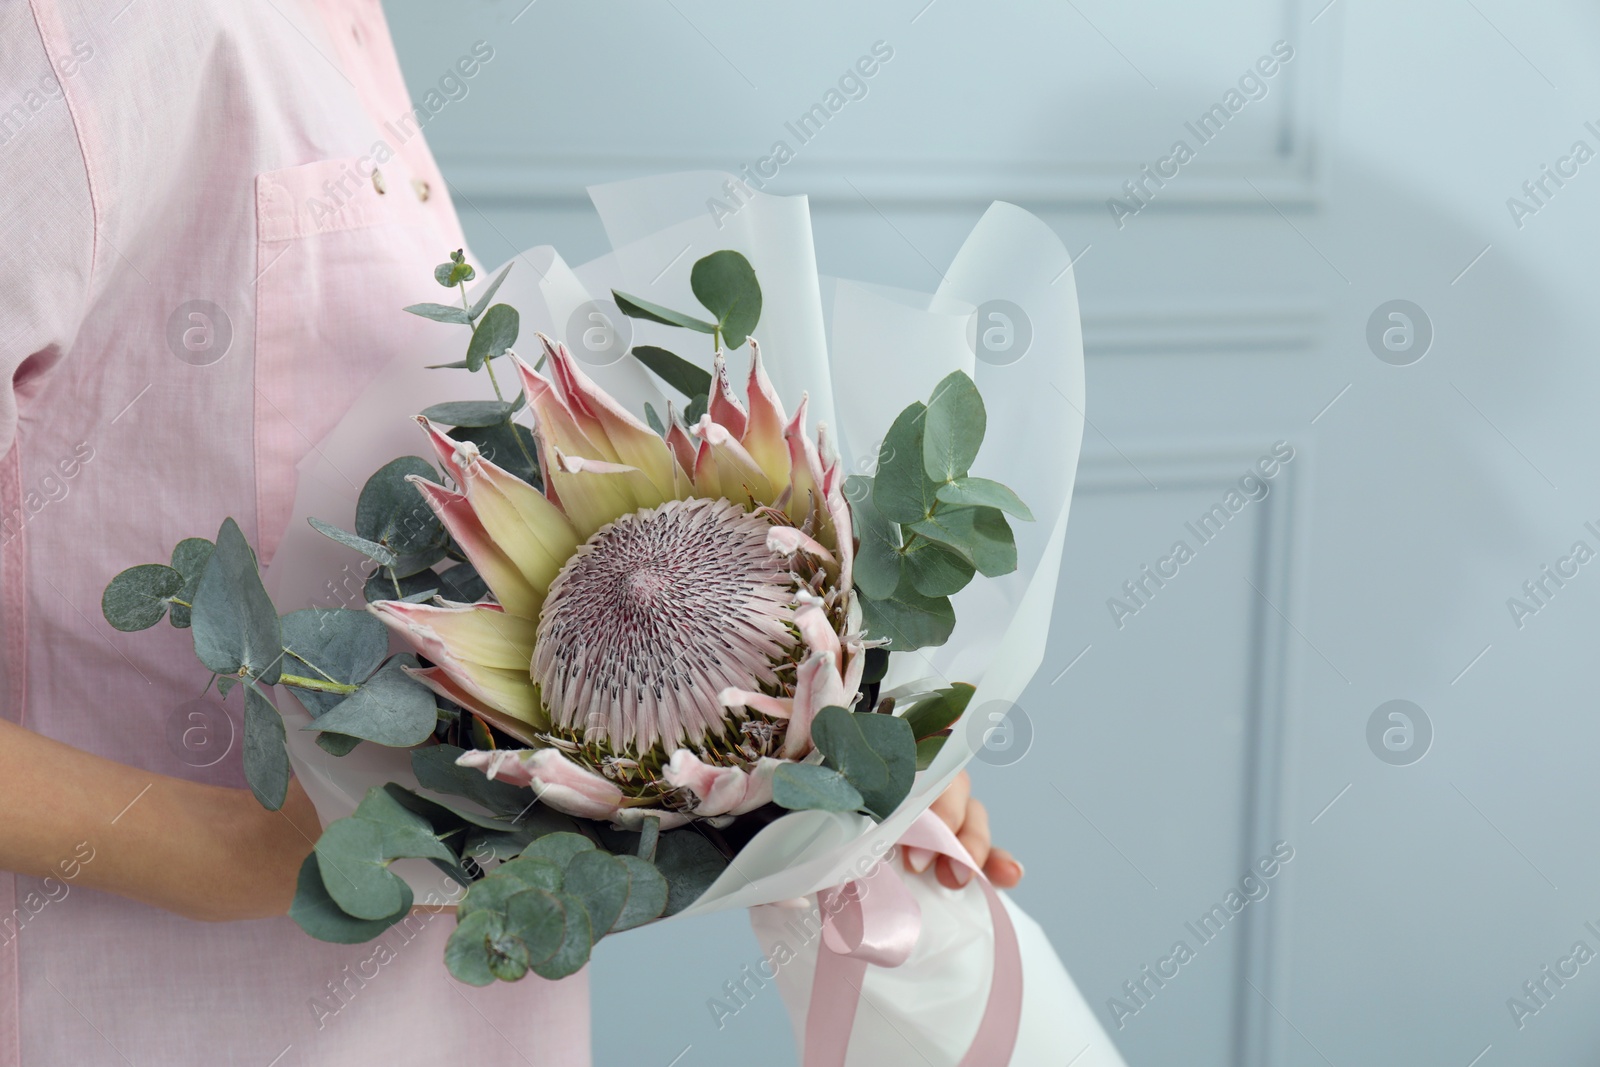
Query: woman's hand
[[201, 851], [969, 820]]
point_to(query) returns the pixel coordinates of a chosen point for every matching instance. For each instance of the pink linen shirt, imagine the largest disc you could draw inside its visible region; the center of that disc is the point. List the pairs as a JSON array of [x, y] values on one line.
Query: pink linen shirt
[[212, 214]]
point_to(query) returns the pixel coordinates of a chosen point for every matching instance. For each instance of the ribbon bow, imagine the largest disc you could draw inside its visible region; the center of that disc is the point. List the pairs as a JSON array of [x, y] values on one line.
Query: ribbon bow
[[881, 927]]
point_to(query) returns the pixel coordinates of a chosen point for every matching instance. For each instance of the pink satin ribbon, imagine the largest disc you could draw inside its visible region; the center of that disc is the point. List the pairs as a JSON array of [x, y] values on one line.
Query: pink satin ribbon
[[877, 921]]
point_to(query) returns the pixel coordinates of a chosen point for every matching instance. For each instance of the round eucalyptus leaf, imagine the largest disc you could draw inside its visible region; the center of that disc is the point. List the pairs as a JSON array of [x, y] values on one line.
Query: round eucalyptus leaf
[[390, 709], [355, 872], [726, 284], [189, 557], [577, 939], [494, 333], [318, 915], [901, 488], [558, 848], [647, 894], [538, 918], [392, 512], [467, 953], [137, 598], [601, 881], [813, 787], [953, 429]]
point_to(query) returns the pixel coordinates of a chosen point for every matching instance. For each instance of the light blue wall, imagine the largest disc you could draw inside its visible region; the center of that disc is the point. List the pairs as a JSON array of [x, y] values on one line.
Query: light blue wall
[[1227, 315]]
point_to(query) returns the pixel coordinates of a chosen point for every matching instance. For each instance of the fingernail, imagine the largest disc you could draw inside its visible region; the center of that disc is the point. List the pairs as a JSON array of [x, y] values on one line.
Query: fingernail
[[918, 858], [1021, 870], [961, 873]]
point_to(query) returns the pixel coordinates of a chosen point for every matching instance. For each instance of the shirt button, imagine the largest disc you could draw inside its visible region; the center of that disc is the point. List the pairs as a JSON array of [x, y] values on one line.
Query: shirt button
[[377, 181], [423, 189]]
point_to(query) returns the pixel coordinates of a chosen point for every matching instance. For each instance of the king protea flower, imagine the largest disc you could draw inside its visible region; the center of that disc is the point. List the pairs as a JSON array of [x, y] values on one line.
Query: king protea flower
[[669, 614]]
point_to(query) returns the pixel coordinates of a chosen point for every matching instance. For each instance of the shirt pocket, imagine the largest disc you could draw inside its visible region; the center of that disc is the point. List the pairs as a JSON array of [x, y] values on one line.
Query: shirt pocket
[[342, 247]]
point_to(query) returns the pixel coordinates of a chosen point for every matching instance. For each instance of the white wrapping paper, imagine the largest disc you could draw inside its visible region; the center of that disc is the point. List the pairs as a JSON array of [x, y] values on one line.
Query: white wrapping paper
[[926, 1011], [888, 348]]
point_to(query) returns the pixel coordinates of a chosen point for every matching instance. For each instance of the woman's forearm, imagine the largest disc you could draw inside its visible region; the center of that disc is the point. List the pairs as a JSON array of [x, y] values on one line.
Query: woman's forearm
[[201, 851]]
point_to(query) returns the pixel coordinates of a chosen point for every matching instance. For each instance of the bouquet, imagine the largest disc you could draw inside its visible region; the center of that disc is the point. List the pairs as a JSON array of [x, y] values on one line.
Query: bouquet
[[643, 628]]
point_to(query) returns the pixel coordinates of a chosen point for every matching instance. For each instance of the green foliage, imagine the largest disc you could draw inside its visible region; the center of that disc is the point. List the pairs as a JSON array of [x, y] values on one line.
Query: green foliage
[[726, 284], [189, 558], [901, 488], [474, 414], [954, 429], [869, 764], [493, 334], [354, 854], [462, 584], [455, 272], [371, 549], [636, 308], [137, 598], [676, 371], [441, 313], [813, 787], [689, 863], [926, 525], [320, 916], [938, 711], [266, 759], [234, 624], [875, 753], [981, 492], [389, 709], [331, 644], [482, 302], [908, 619], [545, 910], [436, 770], [508, 445]]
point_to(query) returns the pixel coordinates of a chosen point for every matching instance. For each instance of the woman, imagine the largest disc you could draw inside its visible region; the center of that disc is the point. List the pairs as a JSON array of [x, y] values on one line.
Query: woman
[[212, 215]]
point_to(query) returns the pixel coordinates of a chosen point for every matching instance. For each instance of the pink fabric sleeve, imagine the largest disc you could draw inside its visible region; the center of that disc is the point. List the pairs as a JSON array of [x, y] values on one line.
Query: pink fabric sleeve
[[46, 216]]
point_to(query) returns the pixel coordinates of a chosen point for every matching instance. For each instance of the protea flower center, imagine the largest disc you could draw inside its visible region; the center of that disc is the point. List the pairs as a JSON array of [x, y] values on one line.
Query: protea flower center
[[653, 616]]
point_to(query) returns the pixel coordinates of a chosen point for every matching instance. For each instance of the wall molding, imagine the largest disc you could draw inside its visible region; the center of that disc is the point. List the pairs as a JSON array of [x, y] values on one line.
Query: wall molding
[[1257, 1030]]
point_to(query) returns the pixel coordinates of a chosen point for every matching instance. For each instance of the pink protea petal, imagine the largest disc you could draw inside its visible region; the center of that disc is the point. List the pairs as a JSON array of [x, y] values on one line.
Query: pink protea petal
[[766, 704], [534, 533], [595, 492], [554, 422], [678, 440], [451, 452], [816, 631], [557, 780], [817, 686], [787, 540], [738, 476], [763, 434], [721, 790], [440, 681], [481, 634], [805, 466], [634, 443], [503, 577], [843, 529], [707, 480], [724, 408]]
